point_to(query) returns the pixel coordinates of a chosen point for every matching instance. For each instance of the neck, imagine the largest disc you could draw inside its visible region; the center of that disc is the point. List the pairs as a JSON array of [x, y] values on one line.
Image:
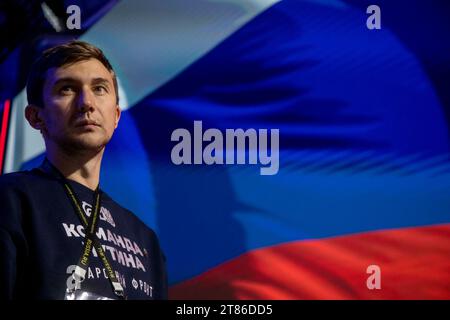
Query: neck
[[82, 167]]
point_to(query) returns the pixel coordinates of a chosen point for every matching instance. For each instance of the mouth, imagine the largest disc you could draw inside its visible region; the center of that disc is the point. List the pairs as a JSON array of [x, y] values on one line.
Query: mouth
[[86, 123]]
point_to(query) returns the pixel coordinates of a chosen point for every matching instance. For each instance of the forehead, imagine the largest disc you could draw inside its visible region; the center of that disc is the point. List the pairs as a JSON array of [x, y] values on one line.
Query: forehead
[[82, 71]]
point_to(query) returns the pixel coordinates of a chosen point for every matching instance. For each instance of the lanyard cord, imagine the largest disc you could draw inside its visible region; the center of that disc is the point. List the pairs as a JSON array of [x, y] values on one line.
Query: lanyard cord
[[90, 238]]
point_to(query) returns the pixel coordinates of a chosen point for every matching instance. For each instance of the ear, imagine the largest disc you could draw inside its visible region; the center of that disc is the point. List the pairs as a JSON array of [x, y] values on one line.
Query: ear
[[117, 115], [34, 117]]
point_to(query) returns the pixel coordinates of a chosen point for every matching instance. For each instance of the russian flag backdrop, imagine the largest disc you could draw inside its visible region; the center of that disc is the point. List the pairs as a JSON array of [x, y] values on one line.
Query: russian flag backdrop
[[363, 119]]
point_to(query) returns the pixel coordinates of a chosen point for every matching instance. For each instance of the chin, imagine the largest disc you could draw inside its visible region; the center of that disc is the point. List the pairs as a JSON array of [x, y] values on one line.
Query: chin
[[89, 144]]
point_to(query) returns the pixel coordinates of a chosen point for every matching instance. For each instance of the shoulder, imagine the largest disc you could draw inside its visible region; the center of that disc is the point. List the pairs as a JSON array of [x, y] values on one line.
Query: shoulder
[[12, 198], [124, 212], [13, 180], [16, 187], [130, 217], [19, 181]]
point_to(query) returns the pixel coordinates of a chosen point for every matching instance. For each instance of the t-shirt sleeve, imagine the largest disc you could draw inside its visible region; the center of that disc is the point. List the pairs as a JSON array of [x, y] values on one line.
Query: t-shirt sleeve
[[11, 239], [160, 269], [164, 279], [8, 265]]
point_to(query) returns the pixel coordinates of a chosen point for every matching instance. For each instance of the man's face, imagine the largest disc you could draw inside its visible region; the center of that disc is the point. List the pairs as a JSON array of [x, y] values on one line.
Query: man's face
[[80, 110]]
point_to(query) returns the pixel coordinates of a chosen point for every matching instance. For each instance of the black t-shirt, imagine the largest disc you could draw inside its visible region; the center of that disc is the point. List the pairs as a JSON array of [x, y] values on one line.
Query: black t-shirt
[[41, 239]]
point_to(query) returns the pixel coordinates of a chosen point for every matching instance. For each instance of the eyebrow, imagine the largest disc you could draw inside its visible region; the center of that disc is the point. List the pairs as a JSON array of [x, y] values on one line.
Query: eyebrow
[[100, 81], [73, 80]]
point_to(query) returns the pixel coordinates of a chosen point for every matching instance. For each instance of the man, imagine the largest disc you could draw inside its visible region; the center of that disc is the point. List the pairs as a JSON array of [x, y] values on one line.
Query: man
[[61, 236]]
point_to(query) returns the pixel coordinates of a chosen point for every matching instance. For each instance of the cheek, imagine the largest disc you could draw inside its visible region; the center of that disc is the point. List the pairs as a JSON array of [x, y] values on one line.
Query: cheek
[[113, 122], [108, 124], [57, 119], [111, 117]]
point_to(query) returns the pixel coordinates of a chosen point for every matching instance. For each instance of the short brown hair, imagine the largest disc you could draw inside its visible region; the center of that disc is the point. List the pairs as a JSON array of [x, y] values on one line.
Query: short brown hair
[[58, 56]]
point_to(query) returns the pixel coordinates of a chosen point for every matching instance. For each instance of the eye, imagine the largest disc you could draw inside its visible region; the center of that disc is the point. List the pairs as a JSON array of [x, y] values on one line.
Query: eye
[[67, 89], [100, 90]]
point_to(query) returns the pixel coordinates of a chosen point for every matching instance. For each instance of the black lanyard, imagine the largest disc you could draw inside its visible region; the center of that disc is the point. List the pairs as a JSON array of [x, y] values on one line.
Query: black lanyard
[[90, 226]]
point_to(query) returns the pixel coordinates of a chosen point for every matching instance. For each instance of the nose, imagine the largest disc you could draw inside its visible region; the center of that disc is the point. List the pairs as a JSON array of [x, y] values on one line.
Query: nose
[[85, 101]]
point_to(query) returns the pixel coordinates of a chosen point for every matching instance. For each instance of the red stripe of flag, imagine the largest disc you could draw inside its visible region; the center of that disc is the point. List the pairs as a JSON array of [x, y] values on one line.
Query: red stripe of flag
[[414, 264], [3, 132]]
